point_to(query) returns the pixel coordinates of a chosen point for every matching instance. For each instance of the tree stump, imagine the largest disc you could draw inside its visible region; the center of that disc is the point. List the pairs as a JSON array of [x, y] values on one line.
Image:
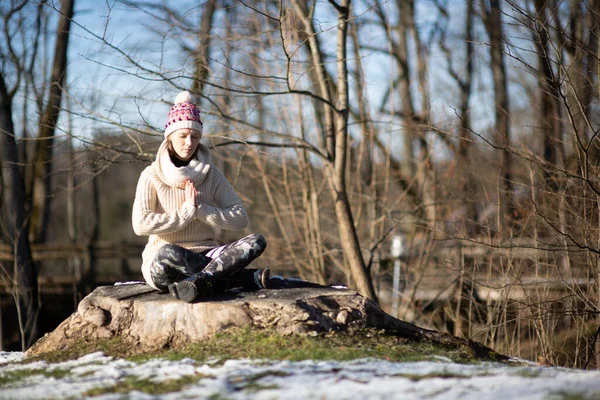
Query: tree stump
[[148, 320]]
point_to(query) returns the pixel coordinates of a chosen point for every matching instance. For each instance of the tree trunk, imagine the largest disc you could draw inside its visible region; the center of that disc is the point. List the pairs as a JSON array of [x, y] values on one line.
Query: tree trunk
[[414, 165], [43, 152], [365, 182], [591, 70], [464, 145], [147, 321], [576, 80], [16, 223], [319, 75], [312, 222], [89, 280], [425, 172], [404, 90], [336, 126], [337, 175], [549, 117], [493, 24], [201, 57]]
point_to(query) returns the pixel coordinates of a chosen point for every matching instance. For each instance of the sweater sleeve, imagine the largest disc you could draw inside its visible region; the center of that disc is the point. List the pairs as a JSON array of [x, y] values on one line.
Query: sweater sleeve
[[228, 212], [146, 221]]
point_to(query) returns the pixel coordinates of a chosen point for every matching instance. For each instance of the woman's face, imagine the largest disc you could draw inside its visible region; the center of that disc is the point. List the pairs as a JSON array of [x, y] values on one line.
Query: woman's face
[[185, 142]]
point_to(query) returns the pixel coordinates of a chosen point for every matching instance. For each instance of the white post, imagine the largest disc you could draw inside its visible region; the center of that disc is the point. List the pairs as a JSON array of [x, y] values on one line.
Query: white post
[[397, 248]]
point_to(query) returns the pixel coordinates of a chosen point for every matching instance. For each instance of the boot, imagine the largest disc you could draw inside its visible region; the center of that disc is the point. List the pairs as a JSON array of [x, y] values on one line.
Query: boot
[[264, 277], [250, 279], [200, 284]]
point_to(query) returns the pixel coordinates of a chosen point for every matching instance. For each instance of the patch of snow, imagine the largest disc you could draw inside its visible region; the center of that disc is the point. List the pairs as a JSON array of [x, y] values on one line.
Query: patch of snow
[[10, 356], [438, 378]]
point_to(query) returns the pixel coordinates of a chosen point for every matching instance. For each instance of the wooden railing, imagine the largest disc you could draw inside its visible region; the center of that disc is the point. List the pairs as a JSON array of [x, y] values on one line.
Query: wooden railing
[[513, 269], [61, 283], [450, 256], [61, 251]]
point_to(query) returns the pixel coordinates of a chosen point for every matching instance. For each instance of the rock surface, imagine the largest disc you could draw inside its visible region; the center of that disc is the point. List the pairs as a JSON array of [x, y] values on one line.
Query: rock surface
[[148, 320]]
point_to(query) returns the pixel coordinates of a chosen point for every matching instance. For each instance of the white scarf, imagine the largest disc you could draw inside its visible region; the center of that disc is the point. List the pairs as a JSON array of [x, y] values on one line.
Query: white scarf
[[196, 171]]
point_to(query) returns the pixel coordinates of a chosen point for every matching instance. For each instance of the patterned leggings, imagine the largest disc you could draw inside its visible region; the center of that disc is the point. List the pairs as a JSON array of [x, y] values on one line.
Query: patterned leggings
[[173, 263]]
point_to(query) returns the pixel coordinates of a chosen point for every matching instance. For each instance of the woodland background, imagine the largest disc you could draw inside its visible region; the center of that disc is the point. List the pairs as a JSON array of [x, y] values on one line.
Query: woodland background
[[466, 128]]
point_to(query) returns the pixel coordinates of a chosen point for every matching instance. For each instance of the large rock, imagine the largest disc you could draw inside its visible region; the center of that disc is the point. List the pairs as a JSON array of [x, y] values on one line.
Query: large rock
[[149, 321]]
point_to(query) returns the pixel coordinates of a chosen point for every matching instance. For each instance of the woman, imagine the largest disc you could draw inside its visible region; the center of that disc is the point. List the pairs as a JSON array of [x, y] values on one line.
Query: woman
[[180, 199]]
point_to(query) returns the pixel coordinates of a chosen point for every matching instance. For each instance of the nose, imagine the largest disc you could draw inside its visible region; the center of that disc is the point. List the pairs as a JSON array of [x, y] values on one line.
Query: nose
[[188, 140]]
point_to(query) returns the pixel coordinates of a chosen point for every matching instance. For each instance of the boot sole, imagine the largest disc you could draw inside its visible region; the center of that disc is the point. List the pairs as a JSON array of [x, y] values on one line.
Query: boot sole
[[265, 278], [185, 291]]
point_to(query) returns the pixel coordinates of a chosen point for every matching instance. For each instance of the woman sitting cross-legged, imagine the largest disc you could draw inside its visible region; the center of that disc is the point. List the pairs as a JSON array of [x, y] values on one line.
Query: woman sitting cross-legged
[[179, 201]]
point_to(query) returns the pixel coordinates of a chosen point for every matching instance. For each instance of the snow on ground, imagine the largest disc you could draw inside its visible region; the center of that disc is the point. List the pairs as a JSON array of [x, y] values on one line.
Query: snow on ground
[[438, 378]]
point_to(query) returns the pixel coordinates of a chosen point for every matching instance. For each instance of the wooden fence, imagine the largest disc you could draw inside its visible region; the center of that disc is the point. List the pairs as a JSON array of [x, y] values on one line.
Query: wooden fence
[[513, 270], [60, 251], [52, 283], [448, 262]]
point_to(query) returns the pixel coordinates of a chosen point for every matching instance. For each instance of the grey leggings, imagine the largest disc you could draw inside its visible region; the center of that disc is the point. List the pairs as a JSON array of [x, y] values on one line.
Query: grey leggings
[[173, 263]]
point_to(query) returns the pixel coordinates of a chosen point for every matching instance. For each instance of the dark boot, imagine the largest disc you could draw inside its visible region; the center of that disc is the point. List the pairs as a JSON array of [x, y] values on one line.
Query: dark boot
[[197, 285], [278, 282], [264, 277], [250, 280]]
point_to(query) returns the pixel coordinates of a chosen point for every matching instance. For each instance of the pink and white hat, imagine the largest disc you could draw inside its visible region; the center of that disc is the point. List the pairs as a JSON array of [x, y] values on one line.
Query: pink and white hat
[[184, 114]]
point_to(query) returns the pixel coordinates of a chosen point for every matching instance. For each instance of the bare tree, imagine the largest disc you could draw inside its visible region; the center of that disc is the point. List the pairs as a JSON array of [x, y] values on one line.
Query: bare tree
[[336, 138], [492, 17], [47, 127], [466, 90], [203, 50], [15, 222], [416, 164]]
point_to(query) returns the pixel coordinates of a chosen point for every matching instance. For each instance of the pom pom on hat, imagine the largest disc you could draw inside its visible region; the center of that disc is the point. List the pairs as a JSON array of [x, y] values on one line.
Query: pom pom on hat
[[184, 114], [185, 97]]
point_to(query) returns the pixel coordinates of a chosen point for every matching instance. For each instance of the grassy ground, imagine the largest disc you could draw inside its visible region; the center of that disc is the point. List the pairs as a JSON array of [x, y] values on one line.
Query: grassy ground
[[262, 344], [239, 343]]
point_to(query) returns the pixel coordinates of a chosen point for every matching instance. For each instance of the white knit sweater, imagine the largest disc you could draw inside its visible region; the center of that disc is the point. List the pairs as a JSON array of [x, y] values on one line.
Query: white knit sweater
[[160, 212]]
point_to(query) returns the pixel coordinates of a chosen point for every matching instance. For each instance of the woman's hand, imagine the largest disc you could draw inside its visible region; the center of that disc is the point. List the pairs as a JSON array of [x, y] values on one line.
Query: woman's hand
[[190, 193]]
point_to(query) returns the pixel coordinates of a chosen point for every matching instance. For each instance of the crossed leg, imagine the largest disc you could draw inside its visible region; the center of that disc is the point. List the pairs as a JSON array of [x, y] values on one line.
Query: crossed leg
[[173, 263]]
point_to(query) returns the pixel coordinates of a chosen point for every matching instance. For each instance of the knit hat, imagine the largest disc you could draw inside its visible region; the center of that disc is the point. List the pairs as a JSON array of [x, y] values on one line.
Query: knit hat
[[184, 114]]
